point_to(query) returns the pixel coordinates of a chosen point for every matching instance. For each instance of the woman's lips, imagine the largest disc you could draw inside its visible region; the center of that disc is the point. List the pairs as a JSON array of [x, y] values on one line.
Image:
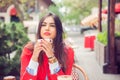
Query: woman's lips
[[47, 33]]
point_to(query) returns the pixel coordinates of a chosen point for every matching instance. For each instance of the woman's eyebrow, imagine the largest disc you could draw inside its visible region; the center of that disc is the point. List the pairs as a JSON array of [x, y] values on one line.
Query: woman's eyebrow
[[52, 23], [49, 23]]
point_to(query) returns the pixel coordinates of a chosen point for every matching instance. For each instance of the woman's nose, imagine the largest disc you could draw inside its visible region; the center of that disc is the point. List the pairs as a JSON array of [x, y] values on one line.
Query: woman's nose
[[47, 27]]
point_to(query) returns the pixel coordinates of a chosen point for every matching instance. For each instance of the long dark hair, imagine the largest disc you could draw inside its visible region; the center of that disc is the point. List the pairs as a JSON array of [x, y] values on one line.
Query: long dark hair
[[59, 46]]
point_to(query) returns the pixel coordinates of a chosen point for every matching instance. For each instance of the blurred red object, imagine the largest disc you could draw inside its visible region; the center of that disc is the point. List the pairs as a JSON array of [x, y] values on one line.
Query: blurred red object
[[13, 11], [104, 11], [117, 9], [89, 41]]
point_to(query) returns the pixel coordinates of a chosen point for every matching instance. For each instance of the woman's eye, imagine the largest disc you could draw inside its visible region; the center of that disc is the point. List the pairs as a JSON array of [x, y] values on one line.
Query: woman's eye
[[52, 25], [43, 25]]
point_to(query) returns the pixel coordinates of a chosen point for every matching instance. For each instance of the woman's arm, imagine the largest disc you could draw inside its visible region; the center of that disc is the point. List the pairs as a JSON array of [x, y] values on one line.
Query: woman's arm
[[25, 60], [70, 61]]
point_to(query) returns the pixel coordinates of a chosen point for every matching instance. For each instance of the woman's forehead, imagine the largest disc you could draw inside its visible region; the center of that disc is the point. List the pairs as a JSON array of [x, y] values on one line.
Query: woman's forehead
[[49, 19]]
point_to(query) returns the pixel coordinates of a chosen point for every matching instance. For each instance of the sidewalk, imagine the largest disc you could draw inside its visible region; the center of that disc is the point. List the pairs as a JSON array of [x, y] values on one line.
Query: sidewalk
[[87, 59]]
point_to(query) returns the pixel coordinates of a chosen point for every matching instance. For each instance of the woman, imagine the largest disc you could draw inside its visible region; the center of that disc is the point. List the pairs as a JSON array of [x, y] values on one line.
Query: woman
[[48, 57]]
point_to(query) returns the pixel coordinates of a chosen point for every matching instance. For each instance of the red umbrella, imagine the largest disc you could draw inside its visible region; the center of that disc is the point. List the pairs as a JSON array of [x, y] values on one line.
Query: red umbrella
[[104, 11], [117, 9]]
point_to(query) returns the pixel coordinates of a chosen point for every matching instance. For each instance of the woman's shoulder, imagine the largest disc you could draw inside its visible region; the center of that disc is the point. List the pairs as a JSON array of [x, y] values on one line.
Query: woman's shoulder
[[28, 49], [68, 47], [69, 50]]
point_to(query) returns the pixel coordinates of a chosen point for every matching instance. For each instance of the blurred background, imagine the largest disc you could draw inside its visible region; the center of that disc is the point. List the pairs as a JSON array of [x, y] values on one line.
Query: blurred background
[[19, 20]]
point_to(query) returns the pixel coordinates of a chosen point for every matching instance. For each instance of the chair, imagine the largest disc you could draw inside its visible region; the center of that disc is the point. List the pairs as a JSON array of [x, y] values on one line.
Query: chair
[[78, 73]]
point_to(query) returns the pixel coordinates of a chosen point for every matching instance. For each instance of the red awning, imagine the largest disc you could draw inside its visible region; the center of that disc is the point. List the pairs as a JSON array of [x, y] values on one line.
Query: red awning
[[13, 12]]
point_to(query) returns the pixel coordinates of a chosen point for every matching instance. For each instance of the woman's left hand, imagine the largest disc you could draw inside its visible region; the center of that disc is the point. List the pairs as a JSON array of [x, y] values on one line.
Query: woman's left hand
[[47, 47]]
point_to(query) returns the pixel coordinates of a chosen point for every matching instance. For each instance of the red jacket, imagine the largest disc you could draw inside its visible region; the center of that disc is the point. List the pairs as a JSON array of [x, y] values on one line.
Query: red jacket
[[43, 69]]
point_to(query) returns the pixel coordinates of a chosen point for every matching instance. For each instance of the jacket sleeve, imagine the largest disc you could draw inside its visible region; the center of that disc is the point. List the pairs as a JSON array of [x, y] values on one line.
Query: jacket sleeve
[[70, 61], [25, 59]]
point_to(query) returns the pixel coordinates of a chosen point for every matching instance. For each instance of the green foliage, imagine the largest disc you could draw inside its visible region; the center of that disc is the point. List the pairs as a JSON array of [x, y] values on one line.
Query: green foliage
[[55, 9], [75, 10], [13, 36], [4, 66], [10, 66], [102, 37], [117, 34]]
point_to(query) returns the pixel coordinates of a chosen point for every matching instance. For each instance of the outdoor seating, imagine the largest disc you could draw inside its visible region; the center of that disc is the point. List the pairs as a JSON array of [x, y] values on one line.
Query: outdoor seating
[[78, 73]]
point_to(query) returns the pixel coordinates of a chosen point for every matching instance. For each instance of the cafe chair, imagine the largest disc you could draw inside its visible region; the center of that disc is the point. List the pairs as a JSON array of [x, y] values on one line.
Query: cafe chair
[[78, 73]]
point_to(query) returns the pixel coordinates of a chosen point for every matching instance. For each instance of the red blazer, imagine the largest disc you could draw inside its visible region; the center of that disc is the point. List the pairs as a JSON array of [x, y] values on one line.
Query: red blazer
[[43, 69]]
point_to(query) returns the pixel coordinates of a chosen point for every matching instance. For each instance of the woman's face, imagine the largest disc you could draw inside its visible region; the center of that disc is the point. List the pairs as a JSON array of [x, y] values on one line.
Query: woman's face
[[48, 28]]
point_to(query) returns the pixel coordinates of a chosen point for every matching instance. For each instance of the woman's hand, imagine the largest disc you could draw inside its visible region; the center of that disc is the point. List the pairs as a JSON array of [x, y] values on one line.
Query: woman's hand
[[30, 45], [42, 45], [47, 47], [37, 50]]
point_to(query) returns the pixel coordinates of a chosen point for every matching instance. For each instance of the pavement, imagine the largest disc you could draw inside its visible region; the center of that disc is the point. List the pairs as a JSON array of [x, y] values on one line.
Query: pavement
[[87, 59]]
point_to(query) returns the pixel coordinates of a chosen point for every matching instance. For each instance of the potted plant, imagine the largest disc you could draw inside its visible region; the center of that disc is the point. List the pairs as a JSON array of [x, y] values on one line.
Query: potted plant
[[12, 38], [101, 47]]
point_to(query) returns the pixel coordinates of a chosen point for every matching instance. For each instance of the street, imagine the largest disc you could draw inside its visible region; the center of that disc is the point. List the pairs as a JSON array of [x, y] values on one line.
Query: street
[[87, 59]]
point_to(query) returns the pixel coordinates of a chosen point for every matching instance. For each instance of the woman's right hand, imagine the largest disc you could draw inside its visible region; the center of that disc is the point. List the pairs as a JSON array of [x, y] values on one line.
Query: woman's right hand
[[36, 51]]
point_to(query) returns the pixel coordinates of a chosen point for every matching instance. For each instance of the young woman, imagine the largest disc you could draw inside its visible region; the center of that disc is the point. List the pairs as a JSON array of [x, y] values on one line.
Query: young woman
[[48, 57]]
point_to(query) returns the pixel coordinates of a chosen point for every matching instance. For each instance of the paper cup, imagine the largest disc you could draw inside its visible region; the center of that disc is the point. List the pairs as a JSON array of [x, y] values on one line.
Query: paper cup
[[49, 40], [64, 77], [9, 78]]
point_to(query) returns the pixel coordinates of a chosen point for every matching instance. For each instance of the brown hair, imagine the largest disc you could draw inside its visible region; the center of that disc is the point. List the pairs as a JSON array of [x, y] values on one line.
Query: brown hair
[[59, 49]]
